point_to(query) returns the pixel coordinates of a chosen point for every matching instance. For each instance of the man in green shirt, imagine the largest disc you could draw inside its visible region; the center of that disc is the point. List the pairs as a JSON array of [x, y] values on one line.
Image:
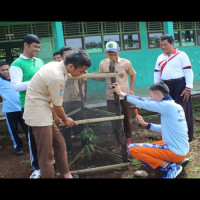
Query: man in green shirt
[[21, 71]]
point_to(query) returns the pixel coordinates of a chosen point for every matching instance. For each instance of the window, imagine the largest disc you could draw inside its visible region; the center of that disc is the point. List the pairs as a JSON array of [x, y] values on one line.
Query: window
[[93, 44], [15, 52], [154, 30], [185, 33], [131, 41], [115, 38], [154, 39], [187, 38], [177, 41], [198, 37], [93, 35], [2, 55], [74, 43]]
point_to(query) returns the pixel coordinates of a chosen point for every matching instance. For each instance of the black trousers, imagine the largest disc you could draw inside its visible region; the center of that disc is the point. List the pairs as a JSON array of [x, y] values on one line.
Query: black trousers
[[176, 88], [12, 120]]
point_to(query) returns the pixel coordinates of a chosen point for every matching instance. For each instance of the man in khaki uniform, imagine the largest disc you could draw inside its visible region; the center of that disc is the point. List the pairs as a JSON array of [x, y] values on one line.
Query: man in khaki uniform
[[47, 86], [72, 100], [124, 68]]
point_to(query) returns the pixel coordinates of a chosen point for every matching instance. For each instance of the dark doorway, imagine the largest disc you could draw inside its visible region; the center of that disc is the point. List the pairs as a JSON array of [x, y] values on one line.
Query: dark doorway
[[10, 51]]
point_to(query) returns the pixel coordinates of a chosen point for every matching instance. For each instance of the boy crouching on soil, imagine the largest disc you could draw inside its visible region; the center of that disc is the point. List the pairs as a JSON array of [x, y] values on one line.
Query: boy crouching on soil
[[174, 146]]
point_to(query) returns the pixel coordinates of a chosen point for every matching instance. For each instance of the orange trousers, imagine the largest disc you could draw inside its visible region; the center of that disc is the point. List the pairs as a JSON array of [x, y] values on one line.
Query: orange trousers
[[153, 154]]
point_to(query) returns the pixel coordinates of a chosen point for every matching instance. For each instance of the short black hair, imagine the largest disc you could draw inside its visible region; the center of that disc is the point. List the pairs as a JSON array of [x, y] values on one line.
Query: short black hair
[[30, 38], [56, 53], [160, 86], [3, 63], [78, 58], [64, 49], [167, 37]]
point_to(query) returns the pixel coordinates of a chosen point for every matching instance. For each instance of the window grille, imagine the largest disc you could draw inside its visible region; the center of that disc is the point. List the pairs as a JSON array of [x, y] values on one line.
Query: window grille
[[130, 26], [111, 27], [18, 31], [187, 25], [154, 26], [3, 33], [71, 28], [92, 27]]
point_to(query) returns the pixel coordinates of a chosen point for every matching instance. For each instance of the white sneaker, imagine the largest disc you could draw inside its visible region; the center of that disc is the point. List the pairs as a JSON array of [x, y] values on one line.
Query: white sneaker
[[35, 175]]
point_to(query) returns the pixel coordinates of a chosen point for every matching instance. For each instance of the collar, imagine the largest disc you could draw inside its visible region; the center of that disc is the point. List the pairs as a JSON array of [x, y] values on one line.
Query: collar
[[24, 57], [5, 78], [64, 68], [167, 97], [174, 52], [118, 59]]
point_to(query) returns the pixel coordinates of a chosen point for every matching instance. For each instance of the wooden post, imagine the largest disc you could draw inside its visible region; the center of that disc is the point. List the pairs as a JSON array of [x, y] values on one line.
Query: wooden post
[[122, 138]]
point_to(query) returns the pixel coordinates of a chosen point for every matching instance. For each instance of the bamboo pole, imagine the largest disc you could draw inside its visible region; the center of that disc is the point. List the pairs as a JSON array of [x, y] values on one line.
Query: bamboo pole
[[108, 152], [99, 169], [101, 119], [94, 75]]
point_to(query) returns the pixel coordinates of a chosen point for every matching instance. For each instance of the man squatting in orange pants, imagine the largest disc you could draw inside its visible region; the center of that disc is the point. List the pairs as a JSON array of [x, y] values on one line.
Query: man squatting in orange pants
[[174, 146]]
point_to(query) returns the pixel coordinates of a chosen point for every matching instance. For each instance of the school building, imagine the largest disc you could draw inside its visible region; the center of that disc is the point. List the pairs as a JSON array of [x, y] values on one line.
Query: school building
[[138, 41]]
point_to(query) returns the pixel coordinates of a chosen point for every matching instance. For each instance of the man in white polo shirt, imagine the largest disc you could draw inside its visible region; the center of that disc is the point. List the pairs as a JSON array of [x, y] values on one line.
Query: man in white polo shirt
[[47, 86], [173, 67]]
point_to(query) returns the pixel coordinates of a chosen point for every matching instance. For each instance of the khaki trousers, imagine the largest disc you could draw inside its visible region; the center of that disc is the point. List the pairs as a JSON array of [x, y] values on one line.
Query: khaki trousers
[[50, 142]]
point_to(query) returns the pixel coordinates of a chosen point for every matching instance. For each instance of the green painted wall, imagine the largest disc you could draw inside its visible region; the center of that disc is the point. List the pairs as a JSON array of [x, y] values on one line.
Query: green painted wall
[[46, 50]]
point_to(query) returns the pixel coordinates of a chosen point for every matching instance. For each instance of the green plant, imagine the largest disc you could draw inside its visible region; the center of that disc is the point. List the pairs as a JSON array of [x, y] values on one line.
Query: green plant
[[88, 140], [136, 162]]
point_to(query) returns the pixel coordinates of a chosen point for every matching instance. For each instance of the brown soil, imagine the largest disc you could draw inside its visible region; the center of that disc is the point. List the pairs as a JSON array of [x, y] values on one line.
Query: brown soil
[[18, 166]]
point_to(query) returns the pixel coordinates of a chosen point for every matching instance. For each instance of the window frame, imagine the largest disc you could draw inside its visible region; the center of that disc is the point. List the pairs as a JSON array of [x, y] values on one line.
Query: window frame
[[178, 27], [99, 35], [81, 37], [133, 33], [149, 32]]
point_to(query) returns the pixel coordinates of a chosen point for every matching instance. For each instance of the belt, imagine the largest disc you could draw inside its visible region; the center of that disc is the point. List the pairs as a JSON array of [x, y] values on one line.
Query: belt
[[170, 81]]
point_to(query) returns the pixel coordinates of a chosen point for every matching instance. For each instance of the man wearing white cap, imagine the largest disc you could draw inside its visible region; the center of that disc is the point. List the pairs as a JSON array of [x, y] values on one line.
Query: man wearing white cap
[[124, 68]]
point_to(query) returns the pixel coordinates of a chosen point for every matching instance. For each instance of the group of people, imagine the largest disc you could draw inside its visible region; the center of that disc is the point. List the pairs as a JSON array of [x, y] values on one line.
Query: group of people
[[33, 94]]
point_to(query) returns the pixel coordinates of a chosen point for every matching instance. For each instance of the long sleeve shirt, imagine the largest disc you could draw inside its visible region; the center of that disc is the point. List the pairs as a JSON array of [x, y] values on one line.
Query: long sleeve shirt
[[175, 66], [10, 97], [21, 72], [173, 125]]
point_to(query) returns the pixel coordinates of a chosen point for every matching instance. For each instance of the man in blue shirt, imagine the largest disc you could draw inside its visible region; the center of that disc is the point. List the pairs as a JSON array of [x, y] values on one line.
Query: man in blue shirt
[[174, 146], [11, 107]]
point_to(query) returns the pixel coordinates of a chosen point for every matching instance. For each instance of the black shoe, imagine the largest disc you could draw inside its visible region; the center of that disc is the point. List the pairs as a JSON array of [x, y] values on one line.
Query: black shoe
[[19, 151]]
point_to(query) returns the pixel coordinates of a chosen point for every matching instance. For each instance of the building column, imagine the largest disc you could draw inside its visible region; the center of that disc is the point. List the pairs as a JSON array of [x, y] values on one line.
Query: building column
[[143, 32], [169, 29], [58, 35]]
